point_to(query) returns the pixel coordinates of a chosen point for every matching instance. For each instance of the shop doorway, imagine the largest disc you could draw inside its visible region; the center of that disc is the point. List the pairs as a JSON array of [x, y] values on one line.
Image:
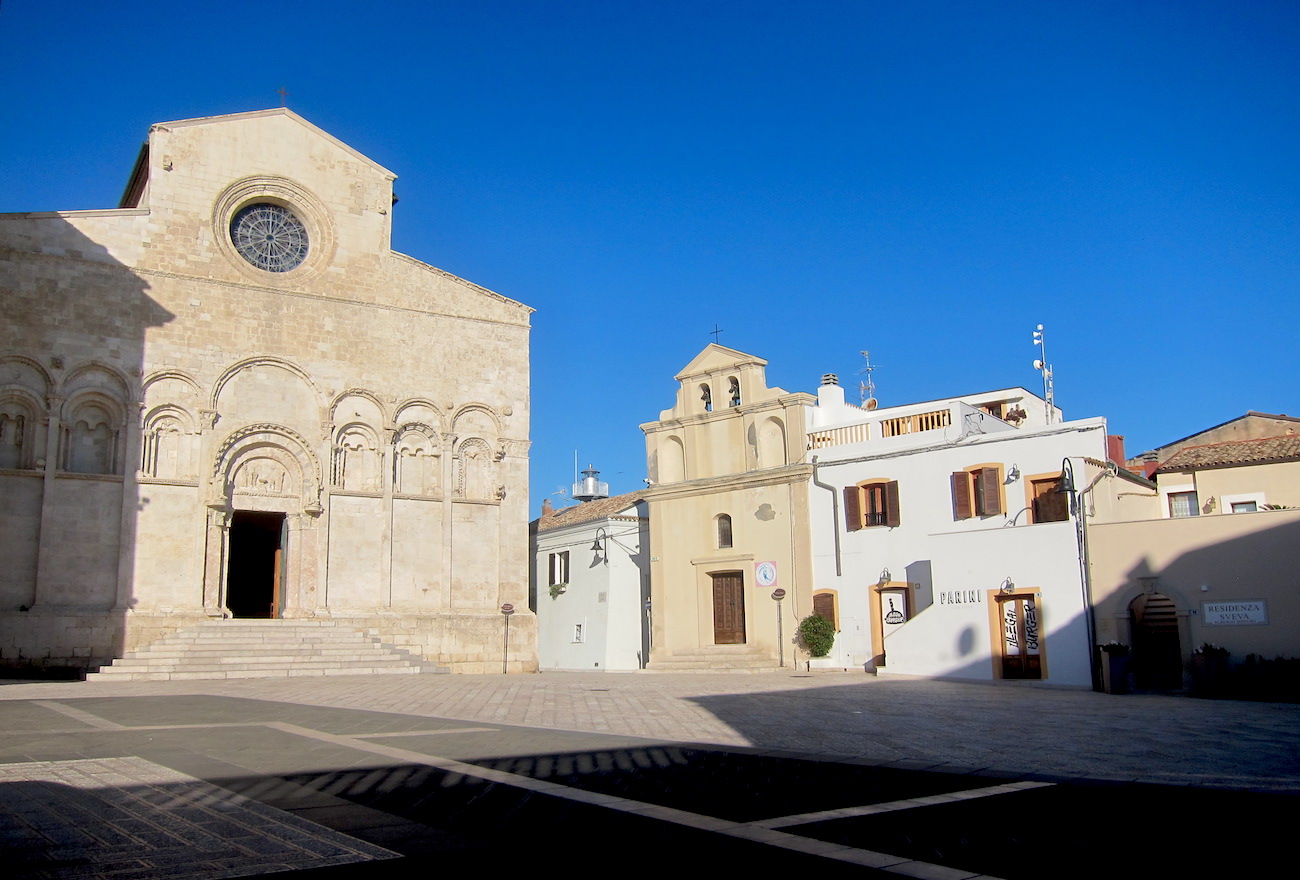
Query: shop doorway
[[255, 573]]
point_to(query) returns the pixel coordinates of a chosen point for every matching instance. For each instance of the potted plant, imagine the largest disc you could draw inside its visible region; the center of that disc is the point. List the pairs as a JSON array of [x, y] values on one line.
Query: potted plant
[[818, 635], [557, 589], [1209, 670]]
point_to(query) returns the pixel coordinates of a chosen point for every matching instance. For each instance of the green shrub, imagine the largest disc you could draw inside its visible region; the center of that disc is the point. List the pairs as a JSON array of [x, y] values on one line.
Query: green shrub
[[818, 634]]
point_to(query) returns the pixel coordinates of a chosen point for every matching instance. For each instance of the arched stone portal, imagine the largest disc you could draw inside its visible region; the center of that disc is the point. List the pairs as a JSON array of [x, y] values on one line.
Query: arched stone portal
[[261, 529]]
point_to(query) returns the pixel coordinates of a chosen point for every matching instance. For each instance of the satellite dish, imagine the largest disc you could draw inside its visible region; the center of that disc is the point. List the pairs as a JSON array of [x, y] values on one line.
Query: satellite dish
[[870, 403]]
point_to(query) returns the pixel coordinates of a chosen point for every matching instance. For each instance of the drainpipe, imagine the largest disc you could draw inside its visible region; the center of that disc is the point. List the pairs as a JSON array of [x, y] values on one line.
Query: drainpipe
[[1085, 568], [835, 512]]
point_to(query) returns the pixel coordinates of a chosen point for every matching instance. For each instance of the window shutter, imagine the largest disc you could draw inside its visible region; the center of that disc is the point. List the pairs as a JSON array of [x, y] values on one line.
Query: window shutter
[[824, 606], [852, 508], [962, 503], [892, 517], [991, 478]]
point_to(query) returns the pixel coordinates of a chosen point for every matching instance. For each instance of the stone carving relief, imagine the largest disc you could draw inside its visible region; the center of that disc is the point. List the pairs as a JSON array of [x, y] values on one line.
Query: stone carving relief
[[262, 476]]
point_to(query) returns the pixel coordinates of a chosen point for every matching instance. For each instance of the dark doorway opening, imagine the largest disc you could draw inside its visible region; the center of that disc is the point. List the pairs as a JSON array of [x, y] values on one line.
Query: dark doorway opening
[[255, 575]]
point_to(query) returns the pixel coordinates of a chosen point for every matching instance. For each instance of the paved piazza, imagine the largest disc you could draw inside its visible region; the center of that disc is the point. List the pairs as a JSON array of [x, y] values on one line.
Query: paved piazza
[[873, 777]]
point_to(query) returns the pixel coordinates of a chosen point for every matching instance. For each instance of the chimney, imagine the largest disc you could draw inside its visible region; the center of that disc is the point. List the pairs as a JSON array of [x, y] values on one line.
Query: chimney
[[547, 510], [1115, 448], [829, 393]]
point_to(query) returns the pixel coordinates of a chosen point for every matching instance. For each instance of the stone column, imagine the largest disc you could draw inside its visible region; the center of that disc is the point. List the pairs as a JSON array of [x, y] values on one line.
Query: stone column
[[216, 552], [53, 430]]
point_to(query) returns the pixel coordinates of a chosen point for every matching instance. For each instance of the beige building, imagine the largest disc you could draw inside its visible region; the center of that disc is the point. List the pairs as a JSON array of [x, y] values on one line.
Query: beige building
[[728, 511], [228, 397], [1214, 559]]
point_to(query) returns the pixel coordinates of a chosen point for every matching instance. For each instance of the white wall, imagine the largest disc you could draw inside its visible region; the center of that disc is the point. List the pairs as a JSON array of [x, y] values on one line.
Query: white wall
[[965, 560]]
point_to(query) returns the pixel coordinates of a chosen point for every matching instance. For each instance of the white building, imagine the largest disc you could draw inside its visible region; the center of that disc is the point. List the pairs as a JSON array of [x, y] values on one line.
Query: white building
[[591, 584], [942, 543]]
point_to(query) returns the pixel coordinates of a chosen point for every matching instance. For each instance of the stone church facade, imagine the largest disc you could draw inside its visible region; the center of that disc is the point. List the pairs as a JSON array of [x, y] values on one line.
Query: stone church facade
[[229, 397]]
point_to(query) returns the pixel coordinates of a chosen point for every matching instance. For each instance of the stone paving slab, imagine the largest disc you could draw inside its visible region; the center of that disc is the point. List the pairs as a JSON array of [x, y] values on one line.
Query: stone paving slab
[[434, 773], [958, 727], [128, 817]]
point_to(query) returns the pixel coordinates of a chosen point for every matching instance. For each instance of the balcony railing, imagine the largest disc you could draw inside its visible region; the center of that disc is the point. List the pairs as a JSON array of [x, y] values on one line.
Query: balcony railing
[[914, 424]]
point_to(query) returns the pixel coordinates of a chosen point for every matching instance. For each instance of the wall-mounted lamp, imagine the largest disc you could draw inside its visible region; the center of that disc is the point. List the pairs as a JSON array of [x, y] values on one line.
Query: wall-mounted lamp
[[600, 547], [1013, 473], [884, 576], [1007, 586]]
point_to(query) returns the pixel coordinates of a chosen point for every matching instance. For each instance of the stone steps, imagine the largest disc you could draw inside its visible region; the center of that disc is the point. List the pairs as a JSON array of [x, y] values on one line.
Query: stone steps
[[720, 661], [262, 649]]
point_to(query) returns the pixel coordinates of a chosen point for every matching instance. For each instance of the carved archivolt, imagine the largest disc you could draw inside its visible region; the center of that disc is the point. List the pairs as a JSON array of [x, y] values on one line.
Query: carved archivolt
[[267, 459]]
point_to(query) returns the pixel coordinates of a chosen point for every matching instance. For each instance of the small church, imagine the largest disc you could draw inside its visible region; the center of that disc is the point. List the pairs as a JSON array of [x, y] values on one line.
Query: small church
[[228, 399]]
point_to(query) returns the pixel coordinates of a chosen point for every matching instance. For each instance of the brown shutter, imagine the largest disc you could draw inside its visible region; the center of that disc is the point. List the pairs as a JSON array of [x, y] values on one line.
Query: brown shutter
[[962, 503], [892, 518], [852, 508], [824, 606], [991, 480]]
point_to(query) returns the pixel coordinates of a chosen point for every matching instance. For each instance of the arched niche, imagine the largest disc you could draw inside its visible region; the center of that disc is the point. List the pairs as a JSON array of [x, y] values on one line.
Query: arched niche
[[672, 460], [358, 458], [417, 460], [169, 447], [263, 390], [476, 470], [771, 443]]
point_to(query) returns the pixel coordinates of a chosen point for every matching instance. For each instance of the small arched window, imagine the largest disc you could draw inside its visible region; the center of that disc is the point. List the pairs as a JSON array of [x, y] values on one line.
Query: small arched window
[[724, 531], [707, 397], [734, 391]]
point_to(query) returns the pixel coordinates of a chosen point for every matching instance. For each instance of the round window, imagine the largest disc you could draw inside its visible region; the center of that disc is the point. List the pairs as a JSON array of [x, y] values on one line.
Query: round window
[[269, 237]]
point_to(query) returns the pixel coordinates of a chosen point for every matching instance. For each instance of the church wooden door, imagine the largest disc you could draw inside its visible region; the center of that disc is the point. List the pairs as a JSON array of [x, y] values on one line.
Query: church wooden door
[[728, 608]]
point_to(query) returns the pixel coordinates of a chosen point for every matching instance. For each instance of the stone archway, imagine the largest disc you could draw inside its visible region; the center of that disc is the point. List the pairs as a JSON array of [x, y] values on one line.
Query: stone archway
[[1157, 649], [261, 543]]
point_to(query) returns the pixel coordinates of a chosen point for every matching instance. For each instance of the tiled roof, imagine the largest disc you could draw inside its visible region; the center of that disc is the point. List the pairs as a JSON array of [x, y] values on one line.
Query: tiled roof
[[600, 508], [1233, 453]]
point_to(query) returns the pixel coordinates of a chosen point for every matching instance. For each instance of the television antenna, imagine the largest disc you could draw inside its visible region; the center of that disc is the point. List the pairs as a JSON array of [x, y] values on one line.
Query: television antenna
[[1042, 366], [867, 386]]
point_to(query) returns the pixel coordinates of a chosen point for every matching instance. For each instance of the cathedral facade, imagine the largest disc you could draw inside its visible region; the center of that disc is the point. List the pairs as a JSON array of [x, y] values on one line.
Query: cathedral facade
[[230, 398]]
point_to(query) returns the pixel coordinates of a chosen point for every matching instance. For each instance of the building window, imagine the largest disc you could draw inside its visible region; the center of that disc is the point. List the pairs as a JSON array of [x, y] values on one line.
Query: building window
[[1047, 502], [724, 531], [874, 503], [824, 606], [577, 632], [1183, 504], [559, 565], [977, 492], [1244, 507]]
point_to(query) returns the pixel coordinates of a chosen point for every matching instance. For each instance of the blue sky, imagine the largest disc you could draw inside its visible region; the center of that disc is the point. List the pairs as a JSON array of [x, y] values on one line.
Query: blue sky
[[925, 180]]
